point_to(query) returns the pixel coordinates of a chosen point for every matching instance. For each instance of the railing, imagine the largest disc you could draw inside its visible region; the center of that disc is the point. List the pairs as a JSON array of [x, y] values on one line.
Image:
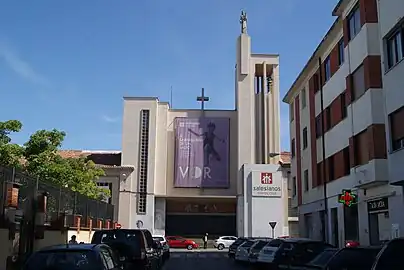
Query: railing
[[60, 200]]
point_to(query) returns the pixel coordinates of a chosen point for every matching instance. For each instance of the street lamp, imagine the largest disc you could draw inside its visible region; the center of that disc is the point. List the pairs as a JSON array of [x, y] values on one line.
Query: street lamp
[[272, 155]]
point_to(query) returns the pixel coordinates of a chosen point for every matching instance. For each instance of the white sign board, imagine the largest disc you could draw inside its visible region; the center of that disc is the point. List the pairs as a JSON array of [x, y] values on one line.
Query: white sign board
[[266, 184]]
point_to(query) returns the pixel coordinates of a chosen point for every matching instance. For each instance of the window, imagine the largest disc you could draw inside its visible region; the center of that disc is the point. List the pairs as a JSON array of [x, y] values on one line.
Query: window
[[292, 146], [341, 52], [344, 111], [361, 148], [331, 166], [294, 187], [347, 161], [303, 97], [305, 142], [395, 49], [327, 118], [327, 69], [107, 259], [358, 78], [397, 129], [318, 126], [143, 164], [320, 173], [306, 180], [292, 111], [354, 22]]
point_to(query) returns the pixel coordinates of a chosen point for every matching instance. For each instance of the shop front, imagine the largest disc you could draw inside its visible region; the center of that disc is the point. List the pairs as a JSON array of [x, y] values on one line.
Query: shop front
[[195, 217], [379, 221]]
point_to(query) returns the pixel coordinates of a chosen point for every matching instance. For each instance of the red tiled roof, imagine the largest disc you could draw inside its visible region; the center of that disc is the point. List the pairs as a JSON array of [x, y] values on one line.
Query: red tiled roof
[[285, 158]]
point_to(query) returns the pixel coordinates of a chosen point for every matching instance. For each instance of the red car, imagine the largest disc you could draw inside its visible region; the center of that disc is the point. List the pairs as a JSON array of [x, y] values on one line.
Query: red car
[[181, 242]]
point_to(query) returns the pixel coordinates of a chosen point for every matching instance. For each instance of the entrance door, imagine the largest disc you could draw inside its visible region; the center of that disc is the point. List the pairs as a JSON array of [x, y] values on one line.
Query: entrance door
[[334, 226], [379, 221]]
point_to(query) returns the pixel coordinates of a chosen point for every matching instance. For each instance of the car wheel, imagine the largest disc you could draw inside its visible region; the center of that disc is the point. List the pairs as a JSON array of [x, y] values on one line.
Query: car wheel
[[220, 247], [189, 247]]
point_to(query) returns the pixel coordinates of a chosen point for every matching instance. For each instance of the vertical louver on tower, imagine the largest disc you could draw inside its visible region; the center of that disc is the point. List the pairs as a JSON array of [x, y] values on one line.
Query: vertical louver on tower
[[143, 161]]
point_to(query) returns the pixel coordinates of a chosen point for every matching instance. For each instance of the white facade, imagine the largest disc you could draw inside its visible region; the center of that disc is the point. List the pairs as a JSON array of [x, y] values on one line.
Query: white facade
[[260, 201], [391, 13], [254, 129], [366, 111]]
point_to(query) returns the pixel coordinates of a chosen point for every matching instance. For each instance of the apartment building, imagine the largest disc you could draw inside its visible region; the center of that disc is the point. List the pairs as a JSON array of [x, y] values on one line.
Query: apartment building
[[338, 129], [391, 27]]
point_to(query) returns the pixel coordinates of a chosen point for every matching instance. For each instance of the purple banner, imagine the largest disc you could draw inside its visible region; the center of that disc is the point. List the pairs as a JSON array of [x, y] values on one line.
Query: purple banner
[[202, 152]]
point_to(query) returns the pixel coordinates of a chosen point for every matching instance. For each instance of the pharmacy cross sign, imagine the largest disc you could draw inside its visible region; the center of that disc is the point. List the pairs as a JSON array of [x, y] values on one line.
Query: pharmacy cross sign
[[347, 198]]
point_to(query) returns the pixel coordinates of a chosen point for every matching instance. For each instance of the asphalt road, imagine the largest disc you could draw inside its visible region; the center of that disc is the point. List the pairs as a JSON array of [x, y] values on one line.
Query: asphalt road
[[201, 260]]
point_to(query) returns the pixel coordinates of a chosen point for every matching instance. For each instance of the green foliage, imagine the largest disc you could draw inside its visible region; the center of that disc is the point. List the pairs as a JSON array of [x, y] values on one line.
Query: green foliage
[[39, 157]]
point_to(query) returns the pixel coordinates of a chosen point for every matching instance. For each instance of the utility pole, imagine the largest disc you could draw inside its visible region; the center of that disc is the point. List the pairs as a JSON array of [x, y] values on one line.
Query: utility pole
[[323, 165]]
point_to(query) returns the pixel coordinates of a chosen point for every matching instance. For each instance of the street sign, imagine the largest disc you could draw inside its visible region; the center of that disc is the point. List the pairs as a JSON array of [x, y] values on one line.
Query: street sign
[[272, 224]]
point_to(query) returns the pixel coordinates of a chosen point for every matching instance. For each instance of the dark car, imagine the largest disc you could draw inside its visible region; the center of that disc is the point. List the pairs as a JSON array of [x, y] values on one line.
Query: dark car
[[135, 247], [79, 257], [233, 247], [166, 248], [256, 248], [159, 247], [349, 258], [321, 259], [289, 252], [391, 256]]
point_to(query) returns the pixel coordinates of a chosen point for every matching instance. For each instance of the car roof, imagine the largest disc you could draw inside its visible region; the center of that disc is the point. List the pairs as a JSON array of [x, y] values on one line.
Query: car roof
[[295, 240], [71, 247]]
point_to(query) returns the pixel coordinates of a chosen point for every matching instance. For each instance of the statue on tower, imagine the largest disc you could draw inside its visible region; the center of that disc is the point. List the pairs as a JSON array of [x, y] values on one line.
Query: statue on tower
[[243, 22]]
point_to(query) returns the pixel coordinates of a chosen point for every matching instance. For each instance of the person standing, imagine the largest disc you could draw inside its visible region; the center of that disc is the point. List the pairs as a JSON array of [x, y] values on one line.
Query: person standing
[[73, 240], [205, 241]]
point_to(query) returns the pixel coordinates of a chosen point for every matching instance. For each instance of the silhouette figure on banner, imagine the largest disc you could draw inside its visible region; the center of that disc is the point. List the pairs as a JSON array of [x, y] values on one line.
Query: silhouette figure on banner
[[209, 137]]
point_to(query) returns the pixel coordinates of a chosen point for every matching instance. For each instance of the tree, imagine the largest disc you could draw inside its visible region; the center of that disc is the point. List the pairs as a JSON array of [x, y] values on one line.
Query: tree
[[42, 160], [10, 153]]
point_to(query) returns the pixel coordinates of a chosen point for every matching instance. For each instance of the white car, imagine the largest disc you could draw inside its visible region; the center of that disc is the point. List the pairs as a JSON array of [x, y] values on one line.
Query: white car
[[160, 238], [224, 242]]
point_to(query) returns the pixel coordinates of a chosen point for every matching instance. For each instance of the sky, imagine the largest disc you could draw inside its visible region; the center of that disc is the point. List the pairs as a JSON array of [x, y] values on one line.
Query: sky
[[68, 64]]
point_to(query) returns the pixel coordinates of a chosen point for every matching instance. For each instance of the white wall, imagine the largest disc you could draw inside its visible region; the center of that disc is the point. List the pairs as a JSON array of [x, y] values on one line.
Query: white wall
[[259, 211], [390, 13]]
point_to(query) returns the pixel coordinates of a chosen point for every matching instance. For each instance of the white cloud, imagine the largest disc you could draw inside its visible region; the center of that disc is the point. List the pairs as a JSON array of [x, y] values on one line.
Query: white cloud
[[109, 119], [20, 66]]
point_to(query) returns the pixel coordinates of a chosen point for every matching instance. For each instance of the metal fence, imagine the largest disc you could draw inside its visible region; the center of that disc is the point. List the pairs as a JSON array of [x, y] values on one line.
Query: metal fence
[[60, 200]]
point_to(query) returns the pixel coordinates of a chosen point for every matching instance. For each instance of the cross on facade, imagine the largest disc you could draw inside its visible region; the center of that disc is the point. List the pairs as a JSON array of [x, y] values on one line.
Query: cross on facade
[[202, 99]]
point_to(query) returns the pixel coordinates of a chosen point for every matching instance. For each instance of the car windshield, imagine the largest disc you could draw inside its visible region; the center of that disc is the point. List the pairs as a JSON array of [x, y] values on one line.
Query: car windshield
[[158, 238], [323, 257], [259, 245], [239, 242], [62, 259], [247, 244], [354, 258]]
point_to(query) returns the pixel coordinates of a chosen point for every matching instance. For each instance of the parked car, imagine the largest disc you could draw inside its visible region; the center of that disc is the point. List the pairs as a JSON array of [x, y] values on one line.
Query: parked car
[[166, 248], [320, 260], [255, 249], [243, 250], [135, 247], [391, 256], [159, 247], [290, 251], [224, 242], [348, 258], [79, 257], [233, 247], [181, 242]]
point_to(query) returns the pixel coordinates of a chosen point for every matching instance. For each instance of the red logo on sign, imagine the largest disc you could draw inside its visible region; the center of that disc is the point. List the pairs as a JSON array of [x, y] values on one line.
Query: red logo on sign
[[266, 178]]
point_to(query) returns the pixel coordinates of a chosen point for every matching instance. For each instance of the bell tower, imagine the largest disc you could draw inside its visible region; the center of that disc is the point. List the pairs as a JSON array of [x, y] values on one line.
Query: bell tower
[[257, 102]]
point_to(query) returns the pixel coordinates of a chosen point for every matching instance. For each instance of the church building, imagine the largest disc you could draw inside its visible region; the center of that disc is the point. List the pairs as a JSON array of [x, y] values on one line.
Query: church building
[[215, 171]]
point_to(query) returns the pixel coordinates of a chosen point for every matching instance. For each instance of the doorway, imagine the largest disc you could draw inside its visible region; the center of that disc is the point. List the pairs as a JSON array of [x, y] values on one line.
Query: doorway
[[334, 226], [351, 222], [379, 221]]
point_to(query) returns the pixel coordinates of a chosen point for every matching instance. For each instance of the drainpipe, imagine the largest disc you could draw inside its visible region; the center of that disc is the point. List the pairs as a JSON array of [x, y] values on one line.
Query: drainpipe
[[324, 174]]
